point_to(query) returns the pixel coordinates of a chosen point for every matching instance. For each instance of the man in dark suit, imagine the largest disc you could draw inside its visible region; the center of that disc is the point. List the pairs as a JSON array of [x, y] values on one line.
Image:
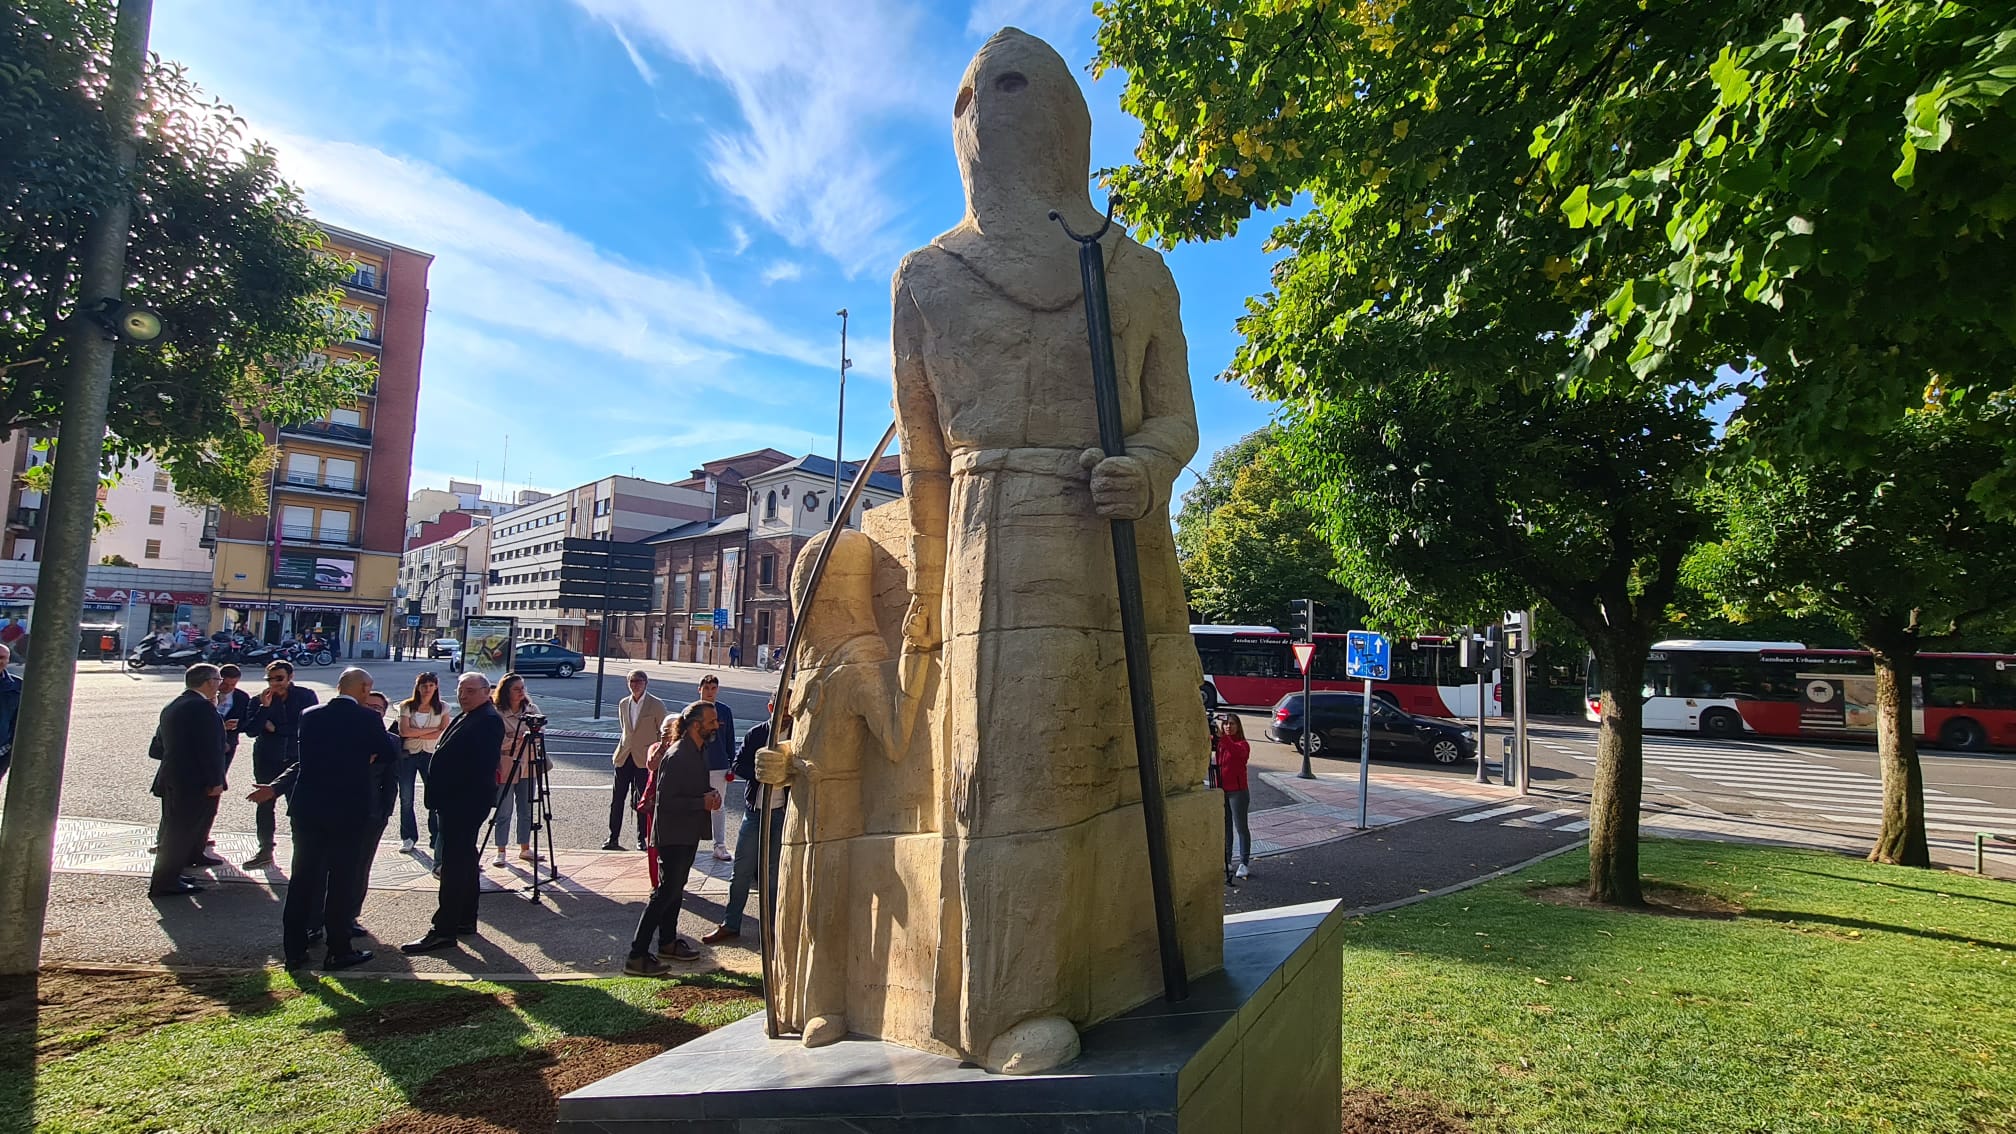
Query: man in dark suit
[[384, 801], [189, 742], [331, 800], [462, 786], [276, 743]]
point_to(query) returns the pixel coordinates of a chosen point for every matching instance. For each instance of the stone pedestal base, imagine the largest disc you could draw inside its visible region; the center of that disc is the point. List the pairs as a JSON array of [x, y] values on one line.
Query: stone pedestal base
[[1254, 1048]]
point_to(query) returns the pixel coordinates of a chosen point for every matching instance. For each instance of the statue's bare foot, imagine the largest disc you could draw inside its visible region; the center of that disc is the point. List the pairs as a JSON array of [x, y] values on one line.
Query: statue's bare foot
[[1033, 1046], [822, 1030]]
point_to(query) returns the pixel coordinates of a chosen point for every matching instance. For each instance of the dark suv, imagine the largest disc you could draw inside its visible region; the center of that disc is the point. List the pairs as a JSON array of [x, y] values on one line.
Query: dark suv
[[1395, 735]]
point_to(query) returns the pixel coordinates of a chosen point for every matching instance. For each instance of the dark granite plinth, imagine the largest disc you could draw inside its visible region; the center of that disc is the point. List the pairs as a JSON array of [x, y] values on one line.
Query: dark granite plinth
[[1255, 1047]]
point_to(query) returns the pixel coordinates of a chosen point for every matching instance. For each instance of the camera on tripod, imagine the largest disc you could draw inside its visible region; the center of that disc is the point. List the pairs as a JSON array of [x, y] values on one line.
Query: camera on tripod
[[533, 721]]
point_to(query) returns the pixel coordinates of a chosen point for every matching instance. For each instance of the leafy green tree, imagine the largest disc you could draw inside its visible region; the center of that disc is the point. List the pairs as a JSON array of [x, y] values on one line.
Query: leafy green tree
[[1447, 507], [1895, 552], [1260, 548], [221, 247], [1214, 488], [1818, 195]]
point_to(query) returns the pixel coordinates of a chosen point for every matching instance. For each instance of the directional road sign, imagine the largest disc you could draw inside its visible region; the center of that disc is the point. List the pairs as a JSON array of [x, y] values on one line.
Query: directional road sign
[[1367, 655], [721, 618]]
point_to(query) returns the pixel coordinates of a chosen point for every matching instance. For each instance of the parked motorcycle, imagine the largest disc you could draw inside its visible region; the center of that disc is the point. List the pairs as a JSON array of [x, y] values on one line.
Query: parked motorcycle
[[317, 650], [158, 649]]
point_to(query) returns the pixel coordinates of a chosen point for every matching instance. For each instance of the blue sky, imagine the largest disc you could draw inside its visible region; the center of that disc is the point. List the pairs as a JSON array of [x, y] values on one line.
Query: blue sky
[[644, 213]]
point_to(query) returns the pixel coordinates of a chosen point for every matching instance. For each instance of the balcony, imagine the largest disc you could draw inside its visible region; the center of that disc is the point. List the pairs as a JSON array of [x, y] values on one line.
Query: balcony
[[24, 519], [365, 280], [371, 339], [294, 533], [321, 486], [330, 431]]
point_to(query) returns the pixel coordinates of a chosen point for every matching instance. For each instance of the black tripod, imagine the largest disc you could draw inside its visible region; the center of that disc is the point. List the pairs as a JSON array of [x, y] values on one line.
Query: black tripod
[[528, 756]]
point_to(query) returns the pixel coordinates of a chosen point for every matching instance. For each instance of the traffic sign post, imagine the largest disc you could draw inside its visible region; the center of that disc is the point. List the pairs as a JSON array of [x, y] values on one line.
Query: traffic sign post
[[1367, 657], [1302, 614], [617, 576]]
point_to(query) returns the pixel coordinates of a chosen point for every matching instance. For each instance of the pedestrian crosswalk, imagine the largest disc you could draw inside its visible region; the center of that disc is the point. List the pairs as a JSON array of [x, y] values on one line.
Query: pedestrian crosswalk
[[1784, 782], [1539, 815]]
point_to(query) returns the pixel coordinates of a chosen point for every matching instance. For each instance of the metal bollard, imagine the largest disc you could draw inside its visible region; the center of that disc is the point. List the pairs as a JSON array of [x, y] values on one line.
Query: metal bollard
[[1508, 764]]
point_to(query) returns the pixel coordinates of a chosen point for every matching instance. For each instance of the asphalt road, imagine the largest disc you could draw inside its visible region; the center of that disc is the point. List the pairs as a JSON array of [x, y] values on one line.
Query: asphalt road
[[106, 772]]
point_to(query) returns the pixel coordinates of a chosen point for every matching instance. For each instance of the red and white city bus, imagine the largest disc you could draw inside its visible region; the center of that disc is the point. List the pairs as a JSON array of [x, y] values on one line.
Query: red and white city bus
[[1253, 667], [1965, 701]]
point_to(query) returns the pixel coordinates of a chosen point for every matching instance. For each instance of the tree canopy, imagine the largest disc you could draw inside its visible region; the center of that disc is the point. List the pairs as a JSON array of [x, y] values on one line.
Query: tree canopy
[[1817, 199], [1260, 546], [221, 247], [1893, 551]]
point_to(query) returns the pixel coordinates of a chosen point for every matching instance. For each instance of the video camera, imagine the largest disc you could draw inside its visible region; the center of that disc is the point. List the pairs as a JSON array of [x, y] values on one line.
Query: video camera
[[534, 721]]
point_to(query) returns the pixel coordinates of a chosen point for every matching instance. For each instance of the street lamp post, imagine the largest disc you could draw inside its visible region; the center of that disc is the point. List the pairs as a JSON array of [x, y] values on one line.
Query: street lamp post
[[840, 431]]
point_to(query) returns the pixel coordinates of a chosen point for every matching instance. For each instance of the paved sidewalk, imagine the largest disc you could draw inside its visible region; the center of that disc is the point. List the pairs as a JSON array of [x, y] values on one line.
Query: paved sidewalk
[[101, 846], [1326, 808]]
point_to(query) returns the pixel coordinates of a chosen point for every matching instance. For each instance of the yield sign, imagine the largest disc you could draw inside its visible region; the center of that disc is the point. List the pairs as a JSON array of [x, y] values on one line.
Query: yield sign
[[1303, 652]]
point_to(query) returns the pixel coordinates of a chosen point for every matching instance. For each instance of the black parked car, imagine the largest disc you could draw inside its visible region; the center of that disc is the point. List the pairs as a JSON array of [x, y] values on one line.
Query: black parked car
[[536, 658], [1395, 735]]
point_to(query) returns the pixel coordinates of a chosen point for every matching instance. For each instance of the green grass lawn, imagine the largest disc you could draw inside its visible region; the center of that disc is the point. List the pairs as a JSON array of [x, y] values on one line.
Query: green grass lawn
[[267, 1051], [1846, 997]]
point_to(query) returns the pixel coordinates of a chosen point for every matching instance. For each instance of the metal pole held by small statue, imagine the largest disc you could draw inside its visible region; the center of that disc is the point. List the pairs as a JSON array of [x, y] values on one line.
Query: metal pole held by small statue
[[1133, 617]]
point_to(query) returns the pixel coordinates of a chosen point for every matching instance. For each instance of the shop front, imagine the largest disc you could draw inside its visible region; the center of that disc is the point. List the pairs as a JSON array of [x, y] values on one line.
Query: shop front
[[123, 603], [352, 630]]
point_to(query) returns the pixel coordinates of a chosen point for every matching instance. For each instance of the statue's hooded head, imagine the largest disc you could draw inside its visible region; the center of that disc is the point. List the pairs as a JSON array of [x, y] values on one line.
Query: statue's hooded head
[[1023, 134]]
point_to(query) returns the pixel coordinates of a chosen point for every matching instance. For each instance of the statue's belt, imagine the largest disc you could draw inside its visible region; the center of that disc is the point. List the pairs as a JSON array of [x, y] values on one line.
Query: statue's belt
[[1037, 461]]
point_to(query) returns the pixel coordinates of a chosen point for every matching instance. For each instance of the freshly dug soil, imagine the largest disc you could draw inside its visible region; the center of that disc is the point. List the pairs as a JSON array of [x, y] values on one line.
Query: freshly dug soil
[[1408, 1112], [520, 1093], [418, 1017], [76, 1007], [1666, 901]]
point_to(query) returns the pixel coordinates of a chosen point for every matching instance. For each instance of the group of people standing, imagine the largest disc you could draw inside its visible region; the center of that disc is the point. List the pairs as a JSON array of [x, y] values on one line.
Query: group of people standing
[[345, 774]]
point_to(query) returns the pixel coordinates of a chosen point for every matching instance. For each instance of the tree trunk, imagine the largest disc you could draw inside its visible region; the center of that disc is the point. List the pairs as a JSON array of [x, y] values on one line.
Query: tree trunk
[[1902, 841], [35, 783], [1620, 774]]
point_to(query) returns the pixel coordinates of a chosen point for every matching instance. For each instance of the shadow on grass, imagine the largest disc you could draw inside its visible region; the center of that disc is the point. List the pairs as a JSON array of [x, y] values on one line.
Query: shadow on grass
[[1861, 926], [19, 1014], [1934, 891]]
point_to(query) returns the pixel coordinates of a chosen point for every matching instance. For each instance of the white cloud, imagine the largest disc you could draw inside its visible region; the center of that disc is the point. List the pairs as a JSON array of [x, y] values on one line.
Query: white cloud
[[498, 265], [783, 270], [636, 58], [813, 82], [741, 238]]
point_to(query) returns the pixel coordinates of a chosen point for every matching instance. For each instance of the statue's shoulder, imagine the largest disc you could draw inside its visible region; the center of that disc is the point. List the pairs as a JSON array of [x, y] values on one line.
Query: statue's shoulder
[[921, 264], [1128, 258]]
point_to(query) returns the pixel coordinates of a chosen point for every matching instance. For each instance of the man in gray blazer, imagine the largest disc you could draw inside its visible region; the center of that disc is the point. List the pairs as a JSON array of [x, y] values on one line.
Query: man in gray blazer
[[641, 716]]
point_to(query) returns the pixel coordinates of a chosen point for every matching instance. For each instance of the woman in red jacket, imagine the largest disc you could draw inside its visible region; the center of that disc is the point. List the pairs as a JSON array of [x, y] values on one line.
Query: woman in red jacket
[[1229, 751]]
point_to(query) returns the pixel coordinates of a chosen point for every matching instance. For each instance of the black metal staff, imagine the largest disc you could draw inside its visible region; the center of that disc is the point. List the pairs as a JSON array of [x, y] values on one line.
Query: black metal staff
[[780, 713], [1133, 618]]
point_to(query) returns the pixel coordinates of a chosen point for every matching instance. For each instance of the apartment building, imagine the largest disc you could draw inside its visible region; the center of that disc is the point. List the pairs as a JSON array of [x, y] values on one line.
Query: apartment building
[[152, 528], [441, 583], [743, 565], [326, 557], [525, 546]]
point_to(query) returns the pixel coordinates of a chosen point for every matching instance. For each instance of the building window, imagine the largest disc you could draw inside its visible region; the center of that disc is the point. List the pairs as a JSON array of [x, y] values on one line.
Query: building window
[[703, 591], [334, 526], [349, 417], [157, 516], [762, 627], [297, 522], [678, 593], [658, 589], [770, 507], [766, 571], [160, 481], [339, 473], [153, 549]]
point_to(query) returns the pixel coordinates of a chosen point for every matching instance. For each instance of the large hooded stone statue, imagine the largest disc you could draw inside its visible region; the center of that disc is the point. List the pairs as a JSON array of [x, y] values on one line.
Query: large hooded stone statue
[[999, 902]]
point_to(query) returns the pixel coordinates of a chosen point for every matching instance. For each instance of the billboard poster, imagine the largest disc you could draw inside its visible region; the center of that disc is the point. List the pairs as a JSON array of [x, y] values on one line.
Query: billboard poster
[[1846, 702], [486, 646], [307, 571]]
